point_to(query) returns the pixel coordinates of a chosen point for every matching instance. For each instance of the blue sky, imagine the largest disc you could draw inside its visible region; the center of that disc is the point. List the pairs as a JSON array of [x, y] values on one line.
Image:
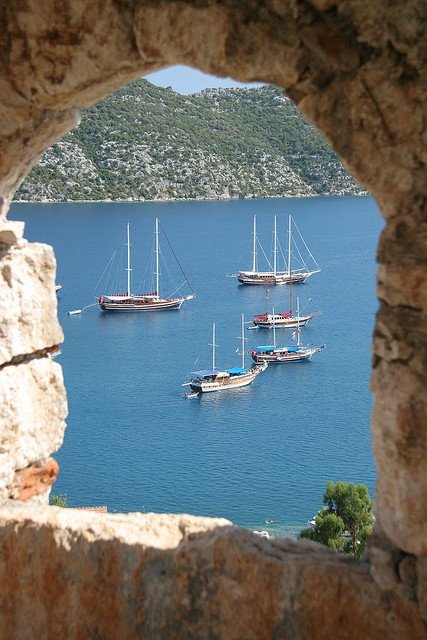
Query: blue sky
[[186, 80]]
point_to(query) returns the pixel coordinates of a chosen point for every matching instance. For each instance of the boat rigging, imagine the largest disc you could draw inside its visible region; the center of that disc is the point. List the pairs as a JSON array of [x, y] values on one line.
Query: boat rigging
[[286, 319], [215, 379], [153, 301], [292, 353], [275, 275]]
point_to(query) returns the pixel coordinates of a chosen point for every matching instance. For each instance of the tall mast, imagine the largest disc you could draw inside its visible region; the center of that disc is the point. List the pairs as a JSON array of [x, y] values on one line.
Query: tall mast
[[243, 341], [275, 246], [289, 265], [213, 345], [274, 331], [128, 267], [266, 301], [298, 329], [254, 248], [157, 257]]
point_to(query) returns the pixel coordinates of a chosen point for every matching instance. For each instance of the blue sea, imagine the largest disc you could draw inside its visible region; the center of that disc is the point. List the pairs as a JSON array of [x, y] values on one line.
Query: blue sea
[[260, 453]]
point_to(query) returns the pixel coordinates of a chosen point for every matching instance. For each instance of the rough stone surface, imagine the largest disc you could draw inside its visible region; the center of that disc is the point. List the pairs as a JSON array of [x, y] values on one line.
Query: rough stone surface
[[357, 69], [162, 577], [383, 562], [383, 565], [323, 5], [35, 130], [331, 46], [407, 575], [28, 304], [403, 286], [400, 446], [33, 408], [421, 581], [33, 480], [10, 232]]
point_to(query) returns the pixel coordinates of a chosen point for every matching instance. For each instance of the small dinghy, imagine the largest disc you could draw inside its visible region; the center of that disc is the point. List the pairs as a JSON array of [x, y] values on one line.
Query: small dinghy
[[191, 394]]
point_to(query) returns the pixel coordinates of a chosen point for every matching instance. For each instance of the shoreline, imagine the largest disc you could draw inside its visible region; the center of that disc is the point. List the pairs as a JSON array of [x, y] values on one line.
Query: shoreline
[[363, 194]]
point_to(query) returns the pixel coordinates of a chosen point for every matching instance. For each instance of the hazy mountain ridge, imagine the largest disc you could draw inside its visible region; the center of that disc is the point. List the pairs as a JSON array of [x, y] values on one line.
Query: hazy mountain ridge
[[149, 143]]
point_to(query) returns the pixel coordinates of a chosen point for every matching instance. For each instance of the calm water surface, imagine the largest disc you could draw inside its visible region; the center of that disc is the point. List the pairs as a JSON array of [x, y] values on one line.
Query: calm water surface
[[260, 453]]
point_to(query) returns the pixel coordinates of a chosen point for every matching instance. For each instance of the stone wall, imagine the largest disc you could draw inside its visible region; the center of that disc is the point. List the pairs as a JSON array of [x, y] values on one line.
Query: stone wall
[[162, 577], [33, 404], [357, 69]]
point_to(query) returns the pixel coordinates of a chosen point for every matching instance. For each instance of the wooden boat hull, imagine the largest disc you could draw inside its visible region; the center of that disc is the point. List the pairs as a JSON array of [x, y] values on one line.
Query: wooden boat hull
[[283, 356], [233, 382], [245, 277], [280, 321], [161, 304]]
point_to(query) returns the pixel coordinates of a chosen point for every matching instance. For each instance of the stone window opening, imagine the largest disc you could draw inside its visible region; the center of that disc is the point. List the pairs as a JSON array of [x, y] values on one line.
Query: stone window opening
[[357, 71]]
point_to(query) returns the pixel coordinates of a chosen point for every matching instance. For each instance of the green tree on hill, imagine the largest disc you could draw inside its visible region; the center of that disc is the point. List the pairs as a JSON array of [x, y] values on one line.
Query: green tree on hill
[[345, 523], [255, 139]]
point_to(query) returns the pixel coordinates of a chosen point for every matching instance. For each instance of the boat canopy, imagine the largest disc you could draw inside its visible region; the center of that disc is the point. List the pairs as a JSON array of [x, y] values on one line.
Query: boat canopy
[[206, 373], [117, 297], [293, 349], [236, 371], [269, 347]]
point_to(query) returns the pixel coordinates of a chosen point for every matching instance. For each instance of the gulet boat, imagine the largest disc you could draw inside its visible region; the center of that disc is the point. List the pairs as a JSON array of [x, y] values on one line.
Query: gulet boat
[[292, 353], [215, 379], [275, 275], [288, 319], [153, 301]]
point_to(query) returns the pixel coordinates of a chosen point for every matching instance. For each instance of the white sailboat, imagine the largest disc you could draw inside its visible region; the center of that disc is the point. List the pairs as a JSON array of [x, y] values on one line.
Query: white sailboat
[[215, 379], [293, 353], [287, 319], [153, 301], [275, 275]]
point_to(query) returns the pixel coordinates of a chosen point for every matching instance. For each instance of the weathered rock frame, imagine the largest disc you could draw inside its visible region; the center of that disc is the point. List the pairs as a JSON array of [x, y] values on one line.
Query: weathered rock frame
[[357, 69]]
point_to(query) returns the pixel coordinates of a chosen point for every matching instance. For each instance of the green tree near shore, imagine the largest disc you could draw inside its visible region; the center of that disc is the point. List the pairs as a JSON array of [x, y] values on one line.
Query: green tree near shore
[[345, 523], [58, 500]]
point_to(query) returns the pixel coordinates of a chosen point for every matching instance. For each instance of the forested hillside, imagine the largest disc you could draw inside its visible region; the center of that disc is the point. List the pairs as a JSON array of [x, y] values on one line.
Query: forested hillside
[[149, 143]]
